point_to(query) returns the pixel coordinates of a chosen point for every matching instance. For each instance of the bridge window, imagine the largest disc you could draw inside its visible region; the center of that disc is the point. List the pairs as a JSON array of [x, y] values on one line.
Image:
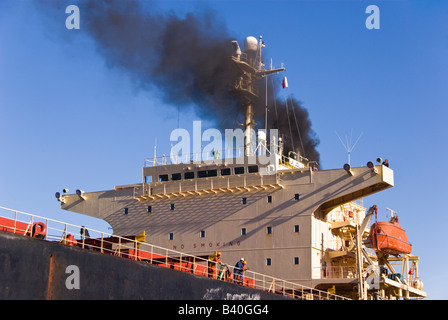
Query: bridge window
[[148, 179], [172, 206], [163, 177], [189, 175], [269, 230], [296, 260], [171, 236], [149, 209], [212, 173], [269, 199], [243, 231], [296, 228], [252, 169], [268, 261], [202, 234], [244, 200], [126, 210], [176, 176], [297, 197], [239, 170], [207, 173], [225, 172]]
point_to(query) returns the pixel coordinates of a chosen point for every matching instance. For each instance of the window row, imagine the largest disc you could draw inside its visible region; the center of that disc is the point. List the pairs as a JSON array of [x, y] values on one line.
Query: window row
[[204, 173]]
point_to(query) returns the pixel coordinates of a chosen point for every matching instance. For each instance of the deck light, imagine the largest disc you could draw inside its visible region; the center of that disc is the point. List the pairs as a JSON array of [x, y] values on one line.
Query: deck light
[[59, 197], [371, 166], [80, 194], [348, 169]]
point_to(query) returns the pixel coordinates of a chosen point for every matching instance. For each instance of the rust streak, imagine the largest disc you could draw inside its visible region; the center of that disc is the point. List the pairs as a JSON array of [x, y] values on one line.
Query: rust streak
[[50, 279]]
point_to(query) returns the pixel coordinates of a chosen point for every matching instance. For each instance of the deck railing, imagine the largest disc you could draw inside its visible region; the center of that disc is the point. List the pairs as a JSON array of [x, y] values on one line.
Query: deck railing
[[218, 156], [227, 155], [130, 247]]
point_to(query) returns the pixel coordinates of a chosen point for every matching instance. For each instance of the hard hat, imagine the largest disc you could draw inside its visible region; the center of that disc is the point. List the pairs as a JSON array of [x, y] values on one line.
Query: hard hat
[[244, 262], [219, 253], [242, 259]]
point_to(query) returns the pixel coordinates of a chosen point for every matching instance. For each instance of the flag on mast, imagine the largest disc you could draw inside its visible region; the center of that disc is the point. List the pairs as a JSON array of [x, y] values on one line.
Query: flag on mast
[[285, 83]]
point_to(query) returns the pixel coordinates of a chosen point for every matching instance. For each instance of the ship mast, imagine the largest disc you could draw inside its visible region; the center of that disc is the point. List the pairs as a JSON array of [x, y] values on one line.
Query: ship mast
[[252, 69]]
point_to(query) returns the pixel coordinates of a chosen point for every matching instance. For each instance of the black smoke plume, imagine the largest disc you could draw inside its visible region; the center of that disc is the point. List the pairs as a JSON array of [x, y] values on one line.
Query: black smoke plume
[[188, 60]]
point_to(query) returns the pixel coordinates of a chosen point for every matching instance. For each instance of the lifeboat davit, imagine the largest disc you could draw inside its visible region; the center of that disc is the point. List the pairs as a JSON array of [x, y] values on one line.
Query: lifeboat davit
[[389, 237]]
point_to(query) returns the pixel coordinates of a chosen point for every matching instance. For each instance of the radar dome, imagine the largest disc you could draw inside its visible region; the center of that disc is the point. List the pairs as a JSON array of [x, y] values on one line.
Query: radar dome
[[250, 44]]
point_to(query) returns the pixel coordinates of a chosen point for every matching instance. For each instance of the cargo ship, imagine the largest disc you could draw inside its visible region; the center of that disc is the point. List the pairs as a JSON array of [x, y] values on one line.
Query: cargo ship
[[193, 217]]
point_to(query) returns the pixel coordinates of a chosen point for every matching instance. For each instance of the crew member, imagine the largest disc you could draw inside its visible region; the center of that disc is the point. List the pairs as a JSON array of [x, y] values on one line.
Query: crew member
[[213, 259], [84, 233], [240, 267], [386, 163]]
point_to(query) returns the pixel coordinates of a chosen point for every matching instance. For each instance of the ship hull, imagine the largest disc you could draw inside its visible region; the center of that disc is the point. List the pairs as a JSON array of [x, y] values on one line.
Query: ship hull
[[36, 269]]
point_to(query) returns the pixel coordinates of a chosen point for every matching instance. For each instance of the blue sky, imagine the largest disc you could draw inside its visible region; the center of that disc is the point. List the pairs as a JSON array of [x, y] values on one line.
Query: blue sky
[[67, 120]]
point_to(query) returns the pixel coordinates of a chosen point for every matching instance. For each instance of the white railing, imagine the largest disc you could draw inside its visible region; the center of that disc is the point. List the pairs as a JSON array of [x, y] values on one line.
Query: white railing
[[22, 223], [220, 156], [197, 157]]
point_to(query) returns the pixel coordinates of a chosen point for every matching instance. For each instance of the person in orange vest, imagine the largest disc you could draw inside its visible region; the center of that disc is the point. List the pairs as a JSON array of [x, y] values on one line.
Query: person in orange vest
[[213, 260]]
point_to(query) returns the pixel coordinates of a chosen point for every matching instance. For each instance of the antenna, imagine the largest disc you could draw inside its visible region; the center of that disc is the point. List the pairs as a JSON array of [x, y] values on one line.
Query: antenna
[[392, 212], [252, 71], [155, 151], [348, 143]]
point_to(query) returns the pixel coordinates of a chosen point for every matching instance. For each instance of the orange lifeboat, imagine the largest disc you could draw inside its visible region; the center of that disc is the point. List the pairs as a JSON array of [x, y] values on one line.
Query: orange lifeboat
[[389, 237]]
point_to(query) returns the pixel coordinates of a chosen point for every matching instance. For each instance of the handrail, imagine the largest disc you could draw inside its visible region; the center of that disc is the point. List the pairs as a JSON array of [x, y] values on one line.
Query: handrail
[[226, 153], [152, 254], [203, 156], [218, 156]]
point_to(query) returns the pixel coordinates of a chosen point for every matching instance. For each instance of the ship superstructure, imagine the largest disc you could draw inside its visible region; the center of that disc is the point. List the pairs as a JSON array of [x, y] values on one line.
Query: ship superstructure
[[285, 217]]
